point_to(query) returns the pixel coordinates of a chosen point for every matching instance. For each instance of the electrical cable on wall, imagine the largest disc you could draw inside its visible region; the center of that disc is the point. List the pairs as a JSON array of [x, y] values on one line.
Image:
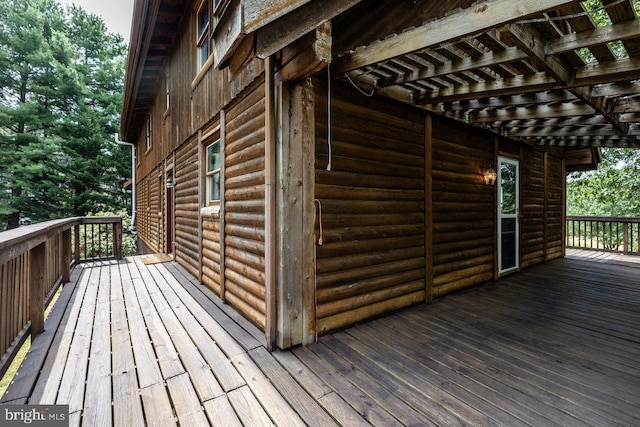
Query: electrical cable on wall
[[329, 116], [321, 238]]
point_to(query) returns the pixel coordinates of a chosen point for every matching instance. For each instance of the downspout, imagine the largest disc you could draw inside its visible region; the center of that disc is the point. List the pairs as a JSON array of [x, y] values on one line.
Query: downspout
[[270, 209], [132, 227]]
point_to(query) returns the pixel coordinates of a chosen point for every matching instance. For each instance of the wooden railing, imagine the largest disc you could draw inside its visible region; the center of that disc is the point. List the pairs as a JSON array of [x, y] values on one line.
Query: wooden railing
[[611, 234], [35, 260]]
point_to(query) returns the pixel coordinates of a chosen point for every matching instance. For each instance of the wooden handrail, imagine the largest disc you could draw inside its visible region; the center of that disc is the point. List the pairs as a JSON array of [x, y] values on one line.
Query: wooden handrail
[[609, 234], [35, 260]]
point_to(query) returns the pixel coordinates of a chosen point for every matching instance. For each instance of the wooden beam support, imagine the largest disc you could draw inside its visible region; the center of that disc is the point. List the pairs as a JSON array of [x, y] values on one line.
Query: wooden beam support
[[511, 101], [616, 89], [301, 21], [600, 130], [476, 19], [589, 75], [467, 64], [529, 40], [602, 35], [568, 109]]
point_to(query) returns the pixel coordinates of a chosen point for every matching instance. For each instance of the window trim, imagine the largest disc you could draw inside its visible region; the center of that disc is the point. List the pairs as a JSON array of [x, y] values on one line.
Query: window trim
[[203, 34], [210, 174], [149, 138]]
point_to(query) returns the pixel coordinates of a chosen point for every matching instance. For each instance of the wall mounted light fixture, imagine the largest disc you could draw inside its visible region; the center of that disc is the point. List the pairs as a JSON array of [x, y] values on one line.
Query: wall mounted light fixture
[[489, 175]]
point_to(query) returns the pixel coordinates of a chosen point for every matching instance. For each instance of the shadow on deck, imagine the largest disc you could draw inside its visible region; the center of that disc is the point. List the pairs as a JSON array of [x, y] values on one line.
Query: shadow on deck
[[558, 344]]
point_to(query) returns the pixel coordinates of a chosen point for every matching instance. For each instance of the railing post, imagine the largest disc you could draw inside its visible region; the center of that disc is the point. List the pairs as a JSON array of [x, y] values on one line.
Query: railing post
[[37, 275], [76, 233], [66, 255], [625, 237], [117, 239]]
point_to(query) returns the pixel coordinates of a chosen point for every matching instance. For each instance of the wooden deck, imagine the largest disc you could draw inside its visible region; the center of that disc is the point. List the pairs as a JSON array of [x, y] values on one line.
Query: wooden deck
[[558, 344]]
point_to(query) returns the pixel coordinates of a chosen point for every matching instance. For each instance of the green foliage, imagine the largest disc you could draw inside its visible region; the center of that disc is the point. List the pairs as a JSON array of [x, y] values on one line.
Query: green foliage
[[61, 84], [129, 246], [612, 190]]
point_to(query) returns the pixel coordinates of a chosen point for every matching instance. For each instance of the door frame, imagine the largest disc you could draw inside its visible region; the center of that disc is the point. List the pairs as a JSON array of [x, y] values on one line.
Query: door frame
[[169, 212], [501, 216]]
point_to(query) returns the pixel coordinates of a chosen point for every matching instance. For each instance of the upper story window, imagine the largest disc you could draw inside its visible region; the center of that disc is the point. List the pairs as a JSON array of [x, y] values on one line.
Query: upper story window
[[148, 135], [203, 33], [213, 162], [207, 16]]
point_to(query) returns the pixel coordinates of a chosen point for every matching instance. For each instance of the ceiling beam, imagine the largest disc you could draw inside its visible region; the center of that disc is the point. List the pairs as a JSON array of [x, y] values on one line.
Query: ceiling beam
[[511, 101], [555, 122], [530, 41], [568, 109], [598, 130], [623, 31], [475, 19], [616, 89], [467, 64], [589, 75]]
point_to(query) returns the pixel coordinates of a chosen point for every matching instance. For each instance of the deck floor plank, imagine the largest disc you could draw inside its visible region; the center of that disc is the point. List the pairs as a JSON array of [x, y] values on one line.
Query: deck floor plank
[[205, 383], [97, 407], [165, 351], [558, 344], [188, 312], [127, 405], [72, 385]]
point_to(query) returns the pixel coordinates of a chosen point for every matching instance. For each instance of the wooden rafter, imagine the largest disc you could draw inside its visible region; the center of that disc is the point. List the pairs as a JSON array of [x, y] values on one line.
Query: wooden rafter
[[479, 18]]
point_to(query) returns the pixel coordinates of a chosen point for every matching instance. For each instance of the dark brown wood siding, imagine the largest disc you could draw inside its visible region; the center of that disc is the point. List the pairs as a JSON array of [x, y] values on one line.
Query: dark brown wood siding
[[556, 207], [187, 206], [245, 205], [463, 207], [372, 258], [532, 204]]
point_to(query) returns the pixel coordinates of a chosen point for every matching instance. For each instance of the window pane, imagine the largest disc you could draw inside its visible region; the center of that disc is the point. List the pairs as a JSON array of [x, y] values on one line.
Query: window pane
[[214, 187], [213, 157], [203, 20]]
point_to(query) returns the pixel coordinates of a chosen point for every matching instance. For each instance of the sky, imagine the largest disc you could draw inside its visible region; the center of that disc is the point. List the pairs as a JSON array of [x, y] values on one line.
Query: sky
[[115, 13]]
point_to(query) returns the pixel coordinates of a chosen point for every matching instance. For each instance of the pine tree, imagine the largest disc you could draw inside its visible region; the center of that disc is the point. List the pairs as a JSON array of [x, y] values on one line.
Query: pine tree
[[61, 81]]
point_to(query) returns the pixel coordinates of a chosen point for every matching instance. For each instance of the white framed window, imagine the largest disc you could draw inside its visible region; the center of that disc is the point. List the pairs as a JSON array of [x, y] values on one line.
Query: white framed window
[[213, 165], [203, 33]]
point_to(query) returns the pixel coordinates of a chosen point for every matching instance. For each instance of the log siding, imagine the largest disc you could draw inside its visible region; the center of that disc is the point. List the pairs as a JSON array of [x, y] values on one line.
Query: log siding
[[371, 260]]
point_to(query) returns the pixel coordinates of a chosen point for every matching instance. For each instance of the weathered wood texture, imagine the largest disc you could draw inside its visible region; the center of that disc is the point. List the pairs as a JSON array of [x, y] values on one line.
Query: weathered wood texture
[[192, 102], [463, 207], [556, 191], [556, 345], [371, 259], [245, 205], [534, 216], [150, 210], [187, 202]]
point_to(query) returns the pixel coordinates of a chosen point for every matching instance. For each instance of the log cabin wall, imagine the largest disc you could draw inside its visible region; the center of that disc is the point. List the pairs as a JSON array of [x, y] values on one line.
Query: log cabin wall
[[463, 207], [187, 206], [244, 204], [556, 210], [150, 209], [533, 208], [372, 259]]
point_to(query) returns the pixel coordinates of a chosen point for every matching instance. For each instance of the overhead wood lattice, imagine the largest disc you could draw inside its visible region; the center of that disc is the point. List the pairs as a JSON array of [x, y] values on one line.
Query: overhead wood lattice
[[547, 74]]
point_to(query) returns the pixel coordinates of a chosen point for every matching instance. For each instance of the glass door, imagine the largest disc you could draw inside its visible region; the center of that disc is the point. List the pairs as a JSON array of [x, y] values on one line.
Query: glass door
[[508, 214]]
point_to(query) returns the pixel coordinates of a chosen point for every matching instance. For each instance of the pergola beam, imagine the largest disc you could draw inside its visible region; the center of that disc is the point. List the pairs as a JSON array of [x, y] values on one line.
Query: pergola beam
[[467, 64], [473, 20], [589, 75], [610, 33]]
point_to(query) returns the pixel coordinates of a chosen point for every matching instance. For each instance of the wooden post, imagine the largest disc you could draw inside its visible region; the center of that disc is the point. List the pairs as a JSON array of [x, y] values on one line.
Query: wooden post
[[37, 275], [76, 234], [117, 239], [428, 211], [625, 237], [270, 209], [66, 255]]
